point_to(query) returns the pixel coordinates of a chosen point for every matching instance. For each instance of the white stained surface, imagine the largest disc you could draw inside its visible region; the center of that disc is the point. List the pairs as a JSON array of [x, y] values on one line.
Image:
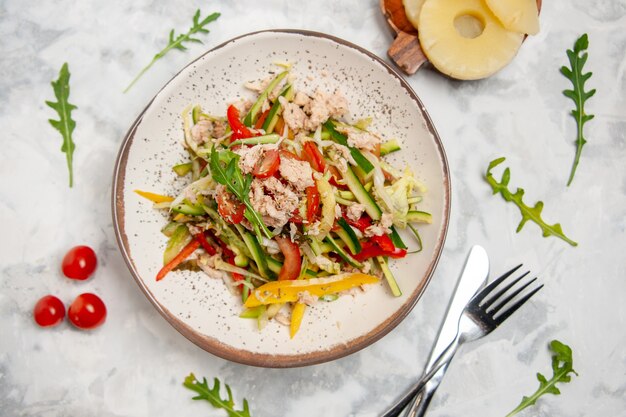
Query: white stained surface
[[134, 365]]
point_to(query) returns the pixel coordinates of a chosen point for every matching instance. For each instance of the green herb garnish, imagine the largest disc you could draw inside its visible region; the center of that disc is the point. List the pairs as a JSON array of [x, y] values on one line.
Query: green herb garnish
[[562, 366], [225, 170], [176, 42], [577, 58], [65, 125], [528, 213], [213, 396]]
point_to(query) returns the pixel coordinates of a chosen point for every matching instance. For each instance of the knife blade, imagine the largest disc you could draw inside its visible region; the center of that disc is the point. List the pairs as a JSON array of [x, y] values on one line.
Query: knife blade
[[471, 280]]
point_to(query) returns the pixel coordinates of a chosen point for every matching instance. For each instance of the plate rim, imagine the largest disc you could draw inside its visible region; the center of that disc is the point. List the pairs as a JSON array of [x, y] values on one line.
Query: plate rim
[[265, 360]]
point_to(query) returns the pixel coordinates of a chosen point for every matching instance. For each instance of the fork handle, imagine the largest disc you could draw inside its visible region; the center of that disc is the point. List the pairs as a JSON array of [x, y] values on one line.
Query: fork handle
[[443, 359], [420, 403]]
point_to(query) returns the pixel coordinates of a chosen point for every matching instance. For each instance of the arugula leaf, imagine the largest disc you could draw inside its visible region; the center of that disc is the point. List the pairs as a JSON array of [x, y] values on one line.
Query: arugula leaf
[[65, 125], [528, 213], [236, 183], [212, 395], [577, 58], [176, 42], [562, 366]]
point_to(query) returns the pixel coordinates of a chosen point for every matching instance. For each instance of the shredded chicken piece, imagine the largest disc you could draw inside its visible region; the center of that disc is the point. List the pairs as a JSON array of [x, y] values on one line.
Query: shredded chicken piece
[[355, 211], [282, 319], [324, 106], [305, 297], [382, 227], [202, 131], [360, 138], [298, 173], [273, 200], [249, 156], [294, 116], [301, 99]]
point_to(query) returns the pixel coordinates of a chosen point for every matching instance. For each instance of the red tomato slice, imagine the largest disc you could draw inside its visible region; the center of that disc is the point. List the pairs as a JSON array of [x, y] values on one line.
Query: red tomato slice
[[267, 165], [240, 131], [312, 203], [293, 262], [229, 207], [314, 157]]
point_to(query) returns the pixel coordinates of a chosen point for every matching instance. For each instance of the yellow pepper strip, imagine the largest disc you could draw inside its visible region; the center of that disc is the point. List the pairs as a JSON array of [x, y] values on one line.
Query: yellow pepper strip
[[155, 198], [297, 313], [289, 290]]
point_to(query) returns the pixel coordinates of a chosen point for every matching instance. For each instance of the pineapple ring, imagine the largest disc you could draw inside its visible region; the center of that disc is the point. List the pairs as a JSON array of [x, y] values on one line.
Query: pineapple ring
[[465, 58]]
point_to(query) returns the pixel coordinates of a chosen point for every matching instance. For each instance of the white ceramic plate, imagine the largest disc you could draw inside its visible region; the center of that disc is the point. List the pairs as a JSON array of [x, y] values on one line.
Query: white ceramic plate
[[201, 308]]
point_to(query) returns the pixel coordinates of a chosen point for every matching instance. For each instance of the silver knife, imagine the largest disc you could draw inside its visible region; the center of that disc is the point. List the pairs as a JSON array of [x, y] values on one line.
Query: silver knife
[[472, 279]]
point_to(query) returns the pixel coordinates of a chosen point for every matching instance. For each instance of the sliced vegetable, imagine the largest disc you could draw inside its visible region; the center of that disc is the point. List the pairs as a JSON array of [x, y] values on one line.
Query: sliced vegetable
[[362, 196], [396, 239], [257, 253], [297, 313], [391, 280], [414, 216], [312, 203], [276, 109], [287, 291], [327, 197], [240, 131], [342, 253], [178, 259], [182, 169], [252, 115], [267, 165], [389, 147], [155, 198], [348, 236], [205, 244], [257, 140], [313, 156], [370, 250], [292, 264], [340, 138], [180, 238]]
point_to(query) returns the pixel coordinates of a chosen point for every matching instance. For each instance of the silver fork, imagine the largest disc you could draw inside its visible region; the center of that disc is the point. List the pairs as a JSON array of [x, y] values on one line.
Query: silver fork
[[482, 314]]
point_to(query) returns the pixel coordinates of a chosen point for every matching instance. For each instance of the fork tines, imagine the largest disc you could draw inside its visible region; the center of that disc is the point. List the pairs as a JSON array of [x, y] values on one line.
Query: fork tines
[[492, 304]]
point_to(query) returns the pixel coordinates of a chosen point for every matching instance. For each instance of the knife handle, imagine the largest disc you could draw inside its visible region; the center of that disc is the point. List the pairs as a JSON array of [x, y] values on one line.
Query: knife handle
[[419, 405]]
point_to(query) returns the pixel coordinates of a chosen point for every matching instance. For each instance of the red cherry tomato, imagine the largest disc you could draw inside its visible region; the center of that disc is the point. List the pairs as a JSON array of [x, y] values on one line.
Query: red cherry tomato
[[49, 311], [87, 311], [267, 165], [293, 263], [313, 156], [79, 263], [231, 209]]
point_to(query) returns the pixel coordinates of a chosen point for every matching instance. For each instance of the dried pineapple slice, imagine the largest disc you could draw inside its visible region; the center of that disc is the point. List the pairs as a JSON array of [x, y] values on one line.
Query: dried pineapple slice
[[412, 10], [517, 15], [473, 54]]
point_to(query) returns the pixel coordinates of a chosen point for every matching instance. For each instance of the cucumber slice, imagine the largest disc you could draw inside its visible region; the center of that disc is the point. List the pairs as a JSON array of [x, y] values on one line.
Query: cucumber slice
[[188, 209], [227, 234], [182, 169], [253, 114], [362, 196], [196, 112], [257, 140], [275, 267], [391, 280], [396, 239], [180, 238], [346, 233], [343, 254], [276, 110], [169, 229], [257, 253], [340, 138], [389, 147], [414, 216]]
